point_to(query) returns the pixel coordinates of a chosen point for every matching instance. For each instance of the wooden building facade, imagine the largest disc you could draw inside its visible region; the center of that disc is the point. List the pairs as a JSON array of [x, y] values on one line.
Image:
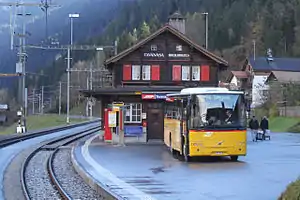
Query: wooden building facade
[[165, 62]]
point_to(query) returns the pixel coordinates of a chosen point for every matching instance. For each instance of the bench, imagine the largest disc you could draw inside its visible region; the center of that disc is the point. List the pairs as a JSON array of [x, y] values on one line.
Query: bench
[[133, 131]]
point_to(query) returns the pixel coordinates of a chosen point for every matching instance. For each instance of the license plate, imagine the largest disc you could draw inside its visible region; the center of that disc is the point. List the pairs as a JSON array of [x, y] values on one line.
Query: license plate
[[218, 153]]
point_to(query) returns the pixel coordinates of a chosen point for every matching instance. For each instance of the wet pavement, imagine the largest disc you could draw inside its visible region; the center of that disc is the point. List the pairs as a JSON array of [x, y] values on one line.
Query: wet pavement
[[263, 174], [8, 153]]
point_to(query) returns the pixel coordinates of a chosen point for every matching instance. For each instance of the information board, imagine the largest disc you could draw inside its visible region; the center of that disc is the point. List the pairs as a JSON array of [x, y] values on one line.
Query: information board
[[112, 119]]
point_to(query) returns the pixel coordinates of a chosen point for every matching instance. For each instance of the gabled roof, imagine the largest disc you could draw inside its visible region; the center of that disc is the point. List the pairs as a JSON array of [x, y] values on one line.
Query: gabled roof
[[278, 64], [175, 32], [240, 74], [285, 76]]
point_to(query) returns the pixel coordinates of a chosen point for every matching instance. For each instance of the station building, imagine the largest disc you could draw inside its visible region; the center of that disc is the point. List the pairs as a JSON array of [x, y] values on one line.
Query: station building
[[165, 62]]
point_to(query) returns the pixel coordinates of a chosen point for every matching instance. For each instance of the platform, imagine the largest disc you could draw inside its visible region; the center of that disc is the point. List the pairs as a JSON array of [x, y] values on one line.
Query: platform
[[140, 171]]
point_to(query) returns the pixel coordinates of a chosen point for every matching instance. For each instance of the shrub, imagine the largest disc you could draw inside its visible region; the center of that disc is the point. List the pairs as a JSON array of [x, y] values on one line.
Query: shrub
[[292, 192]]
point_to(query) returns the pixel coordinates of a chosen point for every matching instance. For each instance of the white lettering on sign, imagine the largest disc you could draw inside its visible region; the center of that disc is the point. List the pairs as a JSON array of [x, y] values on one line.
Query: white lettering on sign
[[148, 96], [178, 55], [155, 55]]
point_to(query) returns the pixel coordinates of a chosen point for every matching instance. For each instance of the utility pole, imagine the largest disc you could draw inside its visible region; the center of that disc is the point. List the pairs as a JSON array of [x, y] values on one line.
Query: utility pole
[[59, 101], [33, 100], [87, 99], [23, 57], [91, 77], [254, 49], [71, 16], [42, 107], [89, 102], [91, 88], [40, 110], [206, 29], [68, 86]]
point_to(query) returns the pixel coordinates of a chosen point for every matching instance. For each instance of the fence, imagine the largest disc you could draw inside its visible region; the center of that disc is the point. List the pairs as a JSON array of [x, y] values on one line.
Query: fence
[[289, 111]]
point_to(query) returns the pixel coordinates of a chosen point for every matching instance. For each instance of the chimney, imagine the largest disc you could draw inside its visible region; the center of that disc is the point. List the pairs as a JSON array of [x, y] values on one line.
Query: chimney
[[177, 21]]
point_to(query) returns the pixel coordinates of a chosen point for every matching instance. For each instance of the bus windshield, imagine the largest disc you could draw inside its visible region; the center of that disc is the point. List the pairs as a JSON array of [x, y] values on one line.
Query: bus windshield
[[218, 111]]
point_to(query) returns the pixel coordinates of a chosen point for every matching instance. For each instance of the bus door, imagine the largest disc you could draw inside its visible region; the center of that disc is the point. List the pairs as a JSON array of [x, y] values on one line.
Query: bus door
[[184, 121]]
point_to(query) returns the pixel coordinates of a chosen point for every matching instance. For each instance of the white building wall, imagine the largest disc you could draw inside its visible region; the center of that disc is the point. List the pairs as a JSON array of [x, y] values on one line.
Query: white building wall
[[234, 80], [258, 85]]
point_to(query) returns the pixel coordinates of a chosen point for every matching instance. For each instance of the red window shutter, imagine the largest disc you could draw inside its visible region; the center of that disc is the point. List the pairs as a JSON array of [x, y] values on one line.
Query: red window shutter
[[155, 72], [126, 72], [205, 73], [176, 72]]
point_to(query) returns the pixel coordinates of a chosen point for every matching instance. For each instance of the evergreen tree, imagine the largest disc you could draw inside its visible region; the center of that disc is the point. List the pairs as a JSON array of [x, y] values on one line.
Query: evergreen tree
[[144, 31]]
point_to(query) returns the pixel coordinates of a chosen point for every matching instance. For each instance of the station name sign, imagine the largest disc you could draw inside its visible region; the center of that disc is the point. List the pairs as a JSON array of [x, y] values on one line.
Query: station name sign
[[154, 55], [156, 97], [179, 55], [170, 55]]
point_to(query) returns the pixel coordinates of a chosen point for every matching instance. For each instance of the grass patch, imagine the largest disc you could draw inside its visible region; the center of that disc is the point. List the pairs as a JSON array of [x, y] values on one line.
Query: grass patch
[[292, 192], [283, 124], [295, 129], [37, 122], [78, 110]]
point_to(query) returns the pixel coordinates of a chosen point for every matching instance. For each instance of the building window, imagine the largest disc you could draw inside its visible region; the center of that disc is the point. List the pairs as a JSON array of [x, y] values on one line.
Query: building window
[[127, 72], [205, 73], [176, 72], [172, 112], [155, 72], [196, 73], [153, 47], [178, 47], [185, 75], [133, 113], [146, 72], [136, 72]]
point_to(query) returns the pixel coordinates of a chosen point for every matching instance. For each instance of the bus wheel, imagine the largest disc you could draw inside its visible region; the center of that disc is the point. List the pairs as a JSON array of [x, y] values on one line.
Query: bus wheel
[[185, 155], [234, 158], [187, 158], [170, 142]]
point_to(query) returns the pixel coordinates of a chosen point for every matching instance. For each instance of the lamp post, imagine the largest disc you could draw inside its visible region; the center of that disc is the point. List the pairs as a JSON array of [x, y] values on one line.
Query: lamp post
[[206, 29], [71, 16]]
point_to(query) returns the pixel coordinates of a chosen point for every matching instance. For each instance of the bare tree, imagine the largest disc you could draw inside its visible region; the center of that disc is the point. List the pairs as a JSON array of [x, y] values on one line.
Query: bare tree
[[279, 94]]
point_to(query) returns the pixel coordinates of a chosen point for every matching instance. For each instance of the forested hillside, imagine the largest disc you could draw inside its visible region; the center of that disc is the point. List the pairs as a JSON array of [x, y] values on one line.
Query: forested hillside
[[233, 25]]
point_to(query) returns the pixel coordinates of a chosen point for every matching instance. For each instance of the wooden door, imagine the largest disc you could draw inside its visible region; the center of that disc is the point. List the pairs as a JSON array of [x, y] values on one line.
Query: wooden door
[[155, 121]]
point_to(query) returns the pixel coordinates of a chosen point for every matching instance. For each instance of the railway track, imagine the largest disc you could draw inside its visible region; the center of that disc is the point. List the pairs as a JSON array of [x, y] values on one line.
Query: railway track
[[22, 137], [46, 153]]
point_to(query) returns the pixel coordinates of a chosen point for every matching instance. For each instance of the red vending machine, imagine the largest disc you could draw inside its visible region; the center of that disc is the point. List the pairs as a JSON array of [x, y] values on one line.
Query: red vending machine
[[107, 129]]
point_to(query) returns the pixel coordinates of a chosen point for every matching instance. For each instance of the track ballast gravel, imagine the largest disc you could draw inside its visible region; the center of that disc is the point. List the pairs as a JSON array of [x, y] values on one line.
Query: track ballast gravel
[[70, 181], [37, 179]]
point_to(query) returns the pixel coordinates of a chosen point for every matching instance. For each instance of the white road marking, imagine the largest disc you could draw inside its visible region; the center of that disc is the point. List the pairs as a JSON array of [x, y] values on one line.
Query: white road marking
[[101, 171]]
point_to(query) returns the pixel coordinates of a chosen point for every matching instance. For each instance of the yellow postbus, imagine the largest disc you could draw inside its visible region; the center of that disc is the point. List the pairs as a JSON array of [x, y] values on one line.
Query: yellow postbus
[[206, 122]]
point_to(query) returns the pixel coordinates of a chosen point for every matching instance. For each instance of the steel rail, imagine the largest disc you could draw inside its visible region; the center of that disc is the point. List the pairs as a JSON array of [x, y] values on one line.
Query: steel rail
[[32, 154], [55, 182], [20, 138]]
